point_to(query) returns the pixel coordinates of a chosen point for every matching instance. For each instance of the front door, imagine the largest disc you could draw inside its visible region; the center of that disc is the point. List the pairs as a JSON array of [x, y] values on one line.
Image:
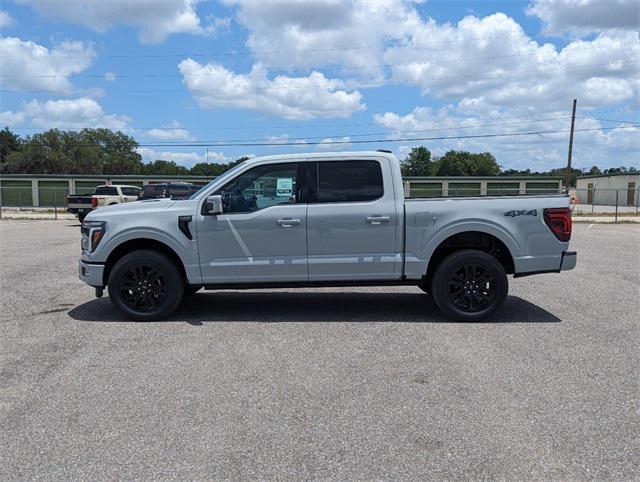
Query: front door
[[353, 228], [261, 235]]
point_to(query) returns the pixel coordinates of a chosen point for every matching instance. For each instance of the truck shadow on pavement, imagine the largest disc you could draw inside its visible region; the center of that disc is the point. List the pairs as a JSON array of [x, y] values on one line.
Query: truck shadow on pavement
[[318, 306]]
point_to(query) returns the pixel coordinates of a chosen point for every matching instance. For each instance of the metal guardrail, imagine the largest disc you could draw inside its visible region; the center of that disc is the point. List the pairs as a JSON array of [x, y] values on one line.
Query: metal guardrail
[[22, 198], [616, 203]]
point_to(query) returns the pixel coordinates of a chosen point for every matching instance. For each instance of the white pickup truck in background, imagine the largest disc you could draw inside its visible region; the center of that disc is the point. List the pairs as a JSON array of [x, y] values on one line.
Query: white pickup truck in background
[[109, 195], [105, 195]]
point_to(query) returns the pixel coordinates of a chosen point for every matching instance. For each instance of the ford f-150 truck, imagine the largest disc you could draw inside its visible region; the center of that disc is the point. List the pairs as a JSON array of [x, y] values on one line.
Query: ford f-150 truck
[[337, 219]]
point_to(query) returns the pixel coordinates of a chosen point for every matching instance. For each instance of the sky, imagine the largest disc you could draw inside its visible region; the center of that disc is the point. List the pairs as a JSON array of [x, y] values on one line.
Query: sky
[[208, 80]]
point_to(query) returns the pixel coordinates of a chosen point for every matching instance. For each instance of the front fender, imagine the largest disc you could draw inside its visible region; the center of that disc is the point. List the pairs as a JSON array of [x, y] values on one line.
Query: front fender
[[186, 249]]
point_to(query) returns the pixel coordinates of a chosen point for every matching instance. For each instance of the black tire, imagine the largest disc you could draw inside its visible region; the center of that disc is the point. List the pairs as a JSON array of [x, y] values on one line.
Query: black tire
[[469, 285], [81, 217], [423, 286], [190, 290], [145, 285]]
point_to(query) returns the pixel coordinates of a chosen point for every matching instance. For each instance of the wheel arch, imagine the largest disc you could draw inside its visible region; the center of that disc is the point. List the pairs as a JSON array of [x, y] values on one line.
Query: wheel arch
[[131, 245], [472, 239]]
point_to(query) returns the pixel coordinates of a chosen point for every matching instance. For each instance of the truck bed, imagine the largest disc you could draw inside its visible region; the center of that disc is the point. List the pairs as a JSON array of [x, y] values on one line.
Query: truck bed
[[76, 202], [517, 221]]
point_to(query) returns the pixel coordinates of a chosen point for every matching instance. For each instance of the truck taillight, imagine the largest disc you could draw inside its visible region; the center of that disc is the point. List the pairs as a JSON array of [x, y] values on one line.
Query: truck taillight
[[559, 222], [94, 202]]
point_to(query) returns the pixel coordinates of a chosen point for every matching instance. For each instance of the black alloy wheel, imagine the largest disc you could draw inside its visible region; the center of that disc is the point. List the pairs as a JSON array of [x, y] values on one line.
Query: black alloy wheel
[[472, 287], [469, 285], [143, 288], [146, 285]]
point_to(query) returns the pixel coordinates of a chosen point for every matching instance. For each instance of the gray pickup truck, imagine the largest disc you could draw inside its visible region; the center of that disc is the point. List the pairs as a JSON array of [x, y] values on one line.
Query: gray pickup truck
[[323, 219]]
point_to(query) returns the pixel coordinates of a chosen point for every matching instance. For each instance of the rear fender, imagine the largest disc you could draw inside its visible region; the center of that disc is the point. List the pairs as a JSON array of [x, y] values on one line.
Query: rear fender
[[418, 260]]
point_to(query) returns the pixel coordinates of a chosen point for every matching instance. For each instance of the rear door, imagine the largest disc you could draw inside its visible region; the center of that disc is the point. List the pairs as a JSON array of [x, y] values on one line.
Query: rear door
[[353, 225], [130, 193]]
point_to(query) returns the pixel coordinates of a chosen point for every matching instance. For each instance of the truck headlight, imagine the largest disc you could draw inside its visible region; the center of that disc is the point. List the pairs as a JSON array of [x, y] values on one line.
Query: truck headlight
[[92, 233]]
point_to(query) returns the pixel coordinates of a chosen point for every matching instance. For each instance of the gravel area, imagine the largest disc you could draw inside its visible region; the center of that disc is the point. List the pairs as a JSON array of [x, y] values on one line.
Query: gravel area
[[319, 383]]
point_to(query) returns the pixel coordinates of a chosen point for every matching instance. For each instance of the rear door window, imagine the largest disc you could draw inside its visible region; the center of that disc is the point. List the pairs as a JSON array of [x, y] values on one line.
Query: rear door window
[[106, 191], [180, 191], [349, 181], [130, 191]]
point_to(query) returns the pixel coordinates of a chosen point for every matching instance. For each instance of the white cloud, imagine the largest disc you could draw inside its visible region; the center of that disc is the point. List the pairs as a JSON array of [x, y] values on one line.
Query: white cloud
[[508, 68], [584, 16], [65, 114], [8, 118], [300, 98], [538, 152], [173, 131], [27, 65], [490, 58], [299, 34], [156, 20], [5, 19], [335, 144], [187, 159], [282, 139]]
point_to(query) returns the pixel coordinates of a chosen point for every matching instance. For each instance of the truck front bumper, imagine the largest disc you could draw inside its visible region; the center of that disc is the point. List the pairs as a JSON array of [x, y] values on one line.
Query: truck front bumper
[[92, 274], [569, 259]]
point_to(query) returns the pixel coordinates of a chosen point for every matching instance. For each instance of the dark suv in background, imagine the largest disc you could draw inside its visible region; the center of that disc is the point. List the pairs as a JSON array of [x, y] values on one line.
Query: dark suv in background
[[173, 190]]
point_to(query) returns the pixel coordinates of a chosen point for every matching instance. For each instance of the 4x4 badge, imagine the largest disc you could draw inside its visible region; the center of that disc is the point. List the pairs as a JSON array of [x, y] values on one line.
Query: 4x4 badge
[[521, 212]]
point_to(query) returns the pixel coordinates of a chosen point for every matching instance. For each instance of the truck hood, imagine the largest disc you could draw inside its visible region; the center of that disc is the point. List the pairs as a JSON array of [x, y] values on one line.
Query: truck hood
[[135, 207]]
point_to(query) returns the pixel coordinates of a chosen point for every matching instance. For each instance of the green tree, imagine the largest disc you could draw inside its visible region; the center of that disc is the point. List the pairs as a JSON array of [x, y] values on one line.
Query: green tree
[[89, 151], [119, 155], [9, 142], [417, 163], [165, 168], [463, 163], [211, 169]]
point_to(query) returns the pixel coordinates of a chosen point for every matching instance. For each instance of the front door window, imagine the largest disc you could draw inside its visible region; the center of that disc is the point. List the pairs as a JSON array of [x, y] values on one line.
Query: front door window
[[260, 187]]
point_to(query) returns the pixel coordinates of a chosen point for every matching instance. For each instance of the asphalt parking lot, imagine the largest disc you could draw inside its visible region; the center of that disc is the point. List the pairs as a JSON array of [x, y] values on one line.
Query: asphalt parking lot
[[322, 383]]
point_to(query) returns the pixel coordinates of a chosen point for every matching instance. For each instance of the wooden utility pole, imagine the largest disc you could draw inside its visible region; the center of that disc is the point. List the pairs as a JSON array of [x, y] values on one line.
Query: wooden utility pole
[[573, 125]]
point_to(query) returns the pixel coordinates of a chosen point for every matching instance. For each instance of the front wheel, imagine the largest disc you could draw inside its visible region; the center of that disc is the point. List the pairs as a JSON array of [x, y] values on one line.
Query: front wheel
[[469, 285], [145, 285], [190, 290]]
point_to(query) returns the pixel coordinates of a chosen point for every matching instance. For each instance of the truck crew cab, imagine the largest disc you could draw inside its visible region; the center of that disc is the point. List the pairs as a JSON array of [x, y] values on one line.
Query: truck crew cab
[[322, 219]]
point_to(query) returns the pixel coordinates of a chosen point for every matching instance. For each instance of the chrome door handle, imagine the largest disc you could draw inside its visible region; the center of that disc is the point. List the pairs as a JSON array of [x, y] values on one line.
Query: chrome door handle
[[377, 219], [288, 223]]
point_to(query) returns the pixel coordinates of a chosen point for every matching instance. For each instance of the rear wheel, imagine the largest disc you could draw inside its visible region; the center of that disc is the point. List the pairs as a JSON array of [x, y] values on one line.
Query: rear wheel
[[145, 285], [469, 285], [424, 286], [81, 217]]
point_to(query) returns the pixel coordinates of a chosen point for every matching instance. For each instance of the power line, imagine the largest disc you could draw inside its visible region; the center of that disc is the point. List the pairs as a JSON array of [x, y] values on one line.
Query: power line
[[367, 141], [376, 141], [435, 129], [522, 119], [276, 141], [608, 120], [301, 71], [387, 45], [342, 85], [275, 52]]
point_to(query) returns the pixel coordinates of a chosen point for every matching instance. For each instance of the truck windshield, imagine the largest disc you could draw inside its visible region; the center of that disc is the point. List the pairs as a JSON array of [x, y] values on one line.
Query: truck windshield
[[221, 177]]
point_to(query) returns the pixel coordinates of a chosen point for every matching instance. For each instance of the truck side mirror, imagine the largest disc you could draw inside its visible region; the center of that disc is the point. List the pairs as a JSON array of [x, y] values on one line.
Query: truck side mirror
[[213, 205]]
